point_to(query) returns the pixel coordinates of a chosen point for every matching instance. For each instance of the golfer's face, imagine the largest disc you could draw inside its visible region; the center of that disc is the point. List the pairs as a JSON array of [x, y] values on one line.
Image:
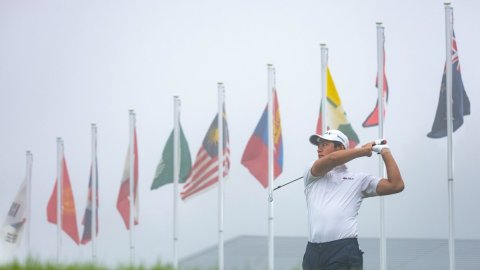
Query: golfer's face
[[325, 148]]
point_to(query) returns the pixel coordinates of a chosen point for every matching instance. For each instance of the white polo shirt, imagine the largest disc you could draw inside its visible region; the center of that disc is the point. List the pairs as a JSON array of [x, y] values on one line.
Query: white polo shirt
[[333, 201]]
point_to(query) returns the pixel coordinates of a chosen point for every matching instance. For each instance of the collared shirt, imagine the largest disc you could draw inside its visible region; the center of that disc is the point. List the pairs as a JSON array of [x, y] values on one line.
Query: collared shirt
[[333, 201]]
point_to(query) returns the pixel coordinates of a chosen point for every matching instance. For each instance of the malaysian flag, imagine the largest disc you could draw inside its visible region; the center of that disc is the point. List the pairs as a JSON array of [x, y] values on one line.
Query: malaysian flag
[[204, 173]]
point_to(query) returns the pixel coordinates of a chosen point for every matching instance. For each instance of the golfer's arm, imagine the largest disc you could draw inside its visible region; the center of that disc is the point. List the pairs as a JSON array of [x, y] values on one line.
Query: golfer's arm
[[325, 164], [394, 182]]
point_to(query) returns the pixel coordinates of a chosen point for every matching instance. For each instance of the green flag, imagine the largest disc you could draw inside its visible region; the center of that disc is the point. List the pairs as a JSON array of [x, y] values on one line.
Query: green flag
[[164, 172]]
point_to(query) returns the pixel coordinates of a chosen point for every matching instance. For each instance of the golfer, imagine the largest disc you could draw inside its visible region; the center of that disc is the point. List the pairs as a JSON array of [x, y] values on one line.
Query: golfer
[[334, 195]]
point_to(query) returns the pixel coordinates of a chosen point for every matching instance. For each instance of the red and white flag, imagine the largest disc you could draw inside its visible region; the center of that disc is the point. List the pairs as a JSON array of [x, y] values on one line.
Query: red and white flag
[[123, 202], [372, 119], [204, 173]]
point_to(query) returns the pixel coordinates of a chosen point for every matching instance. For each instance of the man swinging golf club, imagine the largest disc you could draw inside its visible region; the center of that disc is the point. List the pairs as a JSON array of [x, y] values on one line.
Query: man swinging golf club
[[334, 195]]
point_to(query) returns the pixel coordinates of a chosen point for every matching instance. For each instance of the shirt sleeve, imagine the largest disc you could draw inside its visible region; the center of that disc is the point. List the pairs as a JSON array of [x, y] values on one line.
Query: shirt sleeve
[[308, 178], [369, 185]]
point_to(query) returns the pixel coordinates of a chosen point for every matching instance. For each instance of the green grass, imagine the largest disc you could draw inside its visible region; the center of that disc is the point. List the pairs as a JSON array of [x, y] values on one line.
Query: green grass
[[31, 264]]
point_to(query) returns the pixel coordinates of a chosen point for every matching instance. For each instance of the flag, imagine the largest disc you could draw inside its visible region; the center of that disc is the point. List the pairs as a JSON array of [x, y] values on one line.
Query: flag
[[89, 211], [123, 202], [255, 156], [164, 172], [14, 224], [69, 214], [372, 119], [204, 173], [336, 116], [461, 103]]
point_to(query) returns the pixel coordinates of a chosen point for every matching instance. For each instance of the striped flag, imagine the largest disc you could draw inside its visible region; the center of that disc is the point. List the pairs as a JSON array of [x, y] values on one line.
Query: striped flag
[[336, 117], [123, 202], [89, 211], [204, 173]]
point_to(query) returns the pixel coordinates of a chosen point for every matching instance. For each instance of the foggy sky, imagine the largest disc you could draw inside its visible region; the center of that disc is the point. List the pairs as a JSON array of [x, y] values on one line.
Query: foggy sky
[[64, 65]]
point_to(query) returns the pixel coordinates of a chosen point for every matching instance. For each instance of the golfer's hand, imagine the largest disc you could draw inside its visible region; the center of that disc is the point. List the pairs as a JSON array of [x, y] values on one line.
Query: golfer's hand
[[381, 149], [368, 148]]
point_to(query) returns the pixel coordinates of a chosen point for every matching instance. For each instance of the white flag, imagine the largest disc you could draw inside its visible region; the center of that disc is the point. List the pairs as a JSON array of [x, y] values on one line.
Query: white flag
[[12, 229]]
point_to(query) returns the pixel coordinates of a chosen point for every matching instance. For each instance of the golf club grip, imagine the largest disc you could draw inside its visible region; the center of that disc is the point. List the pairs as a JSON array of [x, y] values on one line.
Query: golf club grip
[[380, 141]]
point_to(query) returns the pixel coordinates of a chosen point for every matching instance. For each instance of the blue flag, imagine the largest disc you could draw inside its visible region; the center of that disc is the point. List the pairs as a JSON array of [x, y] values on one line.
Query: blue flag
[[461, 103], [89, 211], [255, 156]]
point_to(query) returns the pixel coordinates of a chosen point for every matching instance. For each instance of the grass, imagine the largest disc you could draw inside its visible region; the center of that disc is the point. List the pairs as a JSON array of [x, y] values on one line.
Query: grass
[[32, 264]]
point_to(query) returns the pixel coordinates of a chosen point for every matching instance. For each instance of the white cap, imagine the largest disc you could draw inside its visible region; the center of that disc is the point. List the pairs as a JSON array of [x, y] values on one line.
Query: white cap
[[331, 135]]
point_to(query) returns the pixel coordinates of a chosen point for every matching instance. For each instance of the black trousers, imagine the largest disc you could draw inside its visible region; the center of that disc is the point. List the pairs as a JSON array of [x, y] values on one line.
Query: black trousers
[[343, 254]]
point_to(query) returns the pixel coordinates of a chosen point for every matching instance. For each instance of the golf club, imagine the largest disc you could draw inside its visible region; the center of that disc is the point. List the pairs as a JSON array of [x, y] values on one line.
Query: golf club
[[270, 196]]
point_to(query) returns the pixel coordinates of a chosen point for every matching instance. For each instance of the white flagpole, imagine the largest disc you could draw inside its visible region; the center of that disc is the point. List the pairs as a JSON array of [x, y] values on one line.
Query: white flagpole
[[221, 97], [131, 186], [59, 197], [449, 34], [381, 167], [29, 201], [176, 173], [271, 78], [323, 75], [94, 194]]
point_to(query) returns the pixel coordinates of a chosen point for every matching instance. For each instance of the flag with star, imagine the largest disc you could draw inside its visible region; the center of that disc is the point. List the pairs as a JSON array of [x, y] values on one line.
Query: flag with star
[[204, 172], [461, 103]]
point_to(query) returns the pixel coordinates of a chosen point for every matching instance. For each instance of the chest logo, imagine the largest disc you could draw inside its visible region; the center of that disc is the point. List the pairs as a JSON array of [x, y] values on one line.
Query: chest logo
[[347, 178]]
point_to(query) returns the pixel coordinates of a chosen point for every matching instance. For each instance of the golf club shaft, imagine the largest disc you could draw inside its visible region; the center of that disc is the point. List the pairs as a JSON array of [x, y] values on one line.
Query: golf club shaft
[[288, 183]]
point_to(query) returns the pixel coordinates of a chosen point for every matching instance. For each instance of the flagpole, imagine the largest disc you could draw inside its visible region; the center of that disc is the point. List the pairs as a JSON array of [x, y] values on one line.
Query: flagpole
[[221, 97], [448, 66], [94, 194], [324, 66], [381, 166], [29, 200], [131, 186], [59, 197], [271, 75], [176, 174]]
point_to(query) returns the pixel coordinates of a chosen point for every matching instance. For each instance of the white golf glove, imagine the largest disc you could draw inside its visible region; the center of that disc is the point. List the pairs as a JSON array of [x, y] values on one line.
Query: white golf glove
[[379, 147]]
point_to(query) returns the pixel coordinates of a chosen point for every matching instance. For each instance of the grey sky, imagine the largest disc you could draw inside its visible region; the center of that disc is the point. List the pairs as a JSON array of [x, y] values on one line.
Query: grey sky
[[64, 65]]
